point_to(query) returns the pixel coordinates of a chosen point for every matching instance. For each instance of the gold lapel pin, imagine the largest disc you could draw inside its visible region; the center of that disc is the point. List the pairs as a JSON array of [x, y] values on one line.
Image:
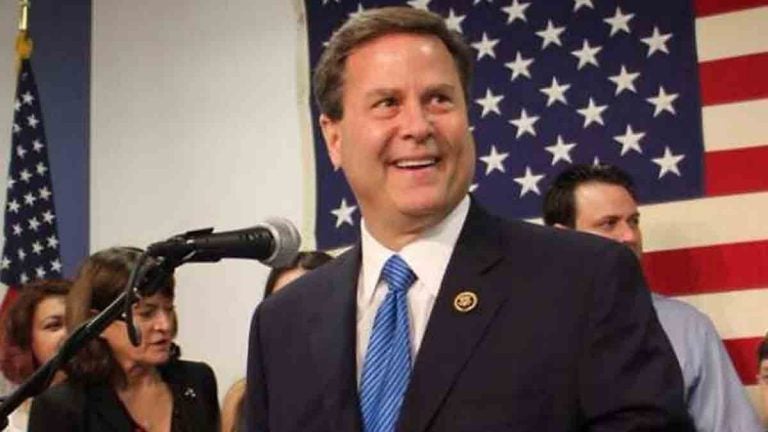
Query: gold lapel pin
[[465, 301]]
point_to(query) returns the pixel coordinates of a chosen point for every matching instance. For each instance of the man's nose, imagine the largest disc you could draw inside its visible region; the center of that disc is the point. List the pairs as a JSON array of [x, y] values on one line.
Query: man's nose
[[417, 122], [629, 234]]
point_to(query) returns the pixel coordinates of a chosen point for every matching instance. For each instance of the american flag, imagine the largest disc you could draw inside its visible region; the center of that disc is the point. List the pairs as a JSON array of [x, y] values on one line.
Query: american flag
[[31, 247], [674, 92]]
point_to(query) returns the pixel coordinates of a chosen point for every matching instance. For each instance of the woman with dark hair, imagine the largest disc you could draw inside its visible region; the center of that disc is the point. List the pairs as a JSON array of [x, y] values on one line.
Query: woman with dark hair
[[33, 331], [115, 386], [231, 411]]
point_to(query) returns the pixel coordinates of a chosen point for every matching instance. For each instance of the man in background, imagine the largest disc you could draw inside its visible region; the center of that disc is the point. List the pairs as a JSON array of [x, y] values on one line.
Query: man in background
[[600, 199], [443, 317]]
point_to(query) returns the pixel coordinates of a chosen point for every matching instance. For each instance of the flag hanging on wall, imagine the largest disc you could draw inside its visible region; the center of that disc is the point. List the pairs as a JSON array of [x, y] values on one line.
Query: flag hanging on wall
[[31, 247], [674, 92]]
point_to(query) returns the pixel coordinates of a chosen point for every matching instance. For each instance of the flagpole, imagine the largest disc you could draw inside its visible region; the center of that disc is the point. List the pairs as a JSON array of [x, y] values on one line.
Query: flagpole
[[23, 41], [24, 15]]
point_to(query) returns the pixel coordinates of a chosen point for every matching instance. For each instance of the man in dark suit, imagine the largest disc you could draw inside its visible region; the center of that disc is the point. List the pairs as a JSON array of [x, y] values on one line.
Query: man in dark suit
[[442, 317]]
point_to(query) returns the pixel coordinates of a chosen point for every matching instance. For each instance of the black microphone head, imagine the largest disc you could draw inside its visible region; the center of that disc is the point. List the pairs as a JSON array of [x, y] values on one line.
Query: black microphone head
[[287, 241]]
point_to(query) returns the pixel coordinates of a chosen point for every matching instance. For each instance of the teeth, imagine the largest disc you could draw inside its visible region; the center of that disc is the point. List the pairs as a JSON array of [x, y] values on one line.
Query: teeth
[[416, 163]]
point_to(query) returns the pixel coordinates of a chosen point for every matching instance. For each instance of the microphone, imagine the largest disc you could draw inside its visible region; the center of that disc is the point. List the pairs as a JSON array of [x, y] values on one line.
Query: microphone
[[275, 243]]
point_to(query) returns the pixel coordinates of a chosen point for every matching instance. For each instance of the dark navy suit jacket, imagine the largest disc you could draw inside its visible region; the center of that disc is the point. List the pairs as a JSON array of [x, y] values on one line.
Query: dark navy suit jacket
[[564, 338]]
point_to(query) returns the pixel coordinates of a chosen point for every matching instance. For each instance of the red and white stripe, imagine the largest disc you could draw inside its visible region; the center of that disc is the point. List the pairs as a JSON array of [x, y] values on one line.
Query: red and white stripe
[[713, 252]]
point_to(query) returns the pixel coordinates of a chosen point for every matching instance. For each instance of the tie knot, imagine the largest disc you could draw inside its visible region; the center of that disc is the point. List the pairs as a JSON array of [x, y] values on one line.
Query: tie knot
[[398, 274]]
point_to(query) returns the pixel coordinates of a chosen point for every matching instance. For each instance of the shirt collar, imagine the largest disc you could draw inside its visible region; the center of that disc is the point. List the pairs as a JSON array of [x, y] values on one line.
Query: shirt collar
[[427, 256]]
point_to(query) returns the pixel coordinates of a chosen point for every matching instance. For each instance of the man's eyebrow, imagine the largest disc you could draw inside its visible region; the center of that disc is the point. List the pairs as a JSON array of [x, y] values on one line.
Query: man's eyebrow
[[387, 91], [380, 91], [445, 87], [607, 218]]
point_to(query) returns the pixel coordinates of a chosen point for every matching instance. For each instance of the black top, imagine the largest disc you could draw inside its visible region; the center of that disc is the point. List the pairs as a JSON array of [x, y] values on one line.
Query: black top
[[73, 407]]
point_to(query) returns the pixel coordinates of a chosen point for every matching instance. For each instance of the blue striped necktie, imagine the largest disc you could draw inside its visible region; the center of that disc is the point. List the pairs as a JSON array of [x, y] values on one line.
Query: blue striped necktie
[[387, 365]]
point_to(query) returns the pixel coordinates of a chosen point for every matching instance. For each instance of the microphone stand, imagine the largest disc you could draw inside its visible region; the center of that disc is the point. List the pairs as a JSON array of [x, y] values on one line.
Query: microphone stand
[[89, 330]]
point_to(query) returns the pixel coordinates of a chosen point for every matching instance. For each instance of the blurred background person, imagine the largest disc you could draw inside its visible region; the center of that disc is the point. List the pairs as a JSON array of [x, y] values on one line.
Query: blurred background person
[[762, 378], [600, 199], [33, 330], [113, 385], [232, 419]]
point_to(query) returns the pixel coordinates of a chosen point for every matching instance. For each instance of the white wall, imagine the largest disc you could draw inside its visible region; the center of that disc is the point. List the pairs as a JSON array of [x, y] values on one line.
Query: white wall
[[195, 123], [9, 13], [8, 25]]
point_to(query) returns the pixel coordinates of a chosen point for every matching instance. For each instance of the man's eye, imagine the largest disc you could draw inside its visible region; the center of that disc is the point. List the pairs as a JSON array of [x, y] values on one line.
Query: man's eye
[[440, 98], [608, 224], [385, 103]]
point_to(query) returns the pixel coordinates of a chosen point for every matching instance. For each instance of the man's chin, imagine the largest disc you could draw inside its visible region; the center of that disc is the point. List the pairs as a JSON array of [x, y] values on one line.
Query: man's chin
[[424, 209]]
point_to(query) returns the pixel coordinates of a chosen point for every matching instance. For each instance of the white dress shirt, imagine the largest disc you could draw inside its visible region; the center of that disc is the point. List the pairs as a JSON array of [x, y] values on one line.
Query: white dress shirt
[[427, 256]]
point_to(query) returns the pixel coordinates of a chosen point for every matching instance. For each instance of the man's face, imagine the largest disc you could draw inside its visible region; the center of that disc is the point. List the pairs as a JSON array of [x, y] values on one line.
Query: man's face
[[403, 141], [610, 211]]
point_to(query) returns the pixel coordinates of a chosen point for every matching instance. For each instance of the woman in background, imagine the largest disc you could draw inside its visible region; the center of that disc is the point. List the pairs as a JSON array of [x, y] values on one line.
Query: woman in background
[[115, 386], [232, 419], [34, 329]]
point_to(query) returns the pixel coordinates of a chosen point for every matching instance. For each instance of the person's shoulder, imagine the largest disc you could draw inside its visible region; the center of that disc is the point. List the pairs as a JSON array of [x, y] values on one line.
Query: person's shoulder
[[193, 379], [188, 368], [689, 330], [63, 402], [546, 239], [194, 384], [676, 312], [67, 391], [235, 393]]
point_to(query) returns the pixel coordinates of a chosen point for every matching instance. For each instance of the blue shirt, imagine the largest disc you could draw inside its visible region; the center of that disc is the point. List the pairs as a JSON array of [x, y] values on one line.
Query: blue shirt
[[715, 397]]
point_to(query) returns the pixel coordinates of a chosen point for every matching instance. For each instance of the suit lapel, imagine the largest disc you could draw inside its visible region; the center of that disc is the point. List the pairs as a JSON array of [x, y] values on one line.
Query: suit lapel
[[451, 335], [332, 341]]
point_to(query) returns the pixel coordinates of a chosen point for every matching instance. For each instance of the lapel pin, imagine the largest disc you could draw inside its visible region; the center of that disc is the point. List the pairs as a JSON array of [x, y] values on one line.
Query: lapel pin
[[465, 301], [189, 393]]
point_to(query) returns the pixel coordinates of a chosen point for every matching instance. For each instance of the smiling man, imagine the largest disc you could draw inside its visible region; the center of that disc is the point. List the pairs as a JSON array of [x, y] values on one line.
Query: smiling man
[[443, 317]]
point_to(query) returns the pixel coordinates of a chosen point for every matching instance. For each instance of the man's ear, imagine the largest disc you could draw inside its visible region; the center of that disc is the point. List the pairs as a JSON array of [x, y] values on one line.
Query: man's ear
[[332, 136]]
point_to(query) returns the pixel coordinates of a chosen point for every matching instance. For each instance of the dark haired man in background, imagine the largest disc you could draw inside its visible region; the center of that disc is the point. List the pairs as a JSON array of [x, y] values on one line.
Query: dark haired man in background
[[600, 199]]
